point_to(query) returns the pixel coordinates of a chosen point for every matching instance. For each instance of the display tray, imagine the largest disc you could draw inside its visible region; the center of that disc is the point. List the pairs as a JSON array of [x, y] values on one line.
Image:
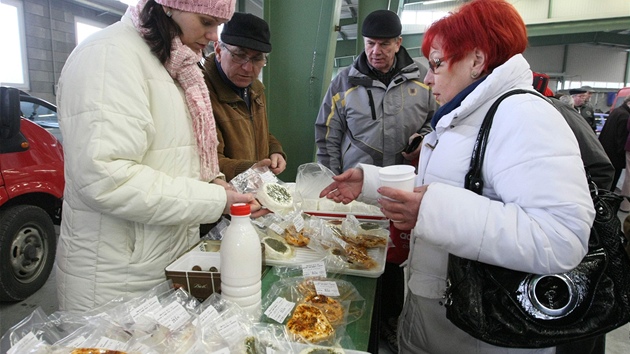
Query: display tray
[[304, 255], [298, 347], [339, 214]]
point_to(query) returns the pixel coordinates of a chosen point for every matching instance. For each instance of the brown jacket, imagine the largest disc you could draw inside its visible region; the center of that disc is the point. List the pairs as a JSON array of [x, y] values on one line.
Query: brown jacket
[[244, 137]]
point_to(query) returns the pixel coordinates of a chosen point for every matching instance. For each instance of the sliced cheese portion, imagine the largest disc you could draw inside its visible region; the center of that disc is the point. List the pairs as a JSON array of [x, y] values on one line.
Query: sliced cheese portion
[[275, 197], [276, 247]]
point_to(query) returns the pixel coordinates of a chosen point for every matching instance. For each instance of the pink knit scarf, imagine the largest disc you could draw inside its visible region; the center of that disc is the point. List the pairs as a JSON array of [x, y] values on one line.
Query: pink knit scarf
[[182, 66]]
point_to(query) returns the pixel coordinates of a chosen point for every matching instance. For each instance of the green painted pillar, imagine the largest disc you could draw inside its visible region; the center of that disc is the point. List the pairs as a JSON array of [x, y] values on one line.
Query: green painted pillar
[[298, 73]]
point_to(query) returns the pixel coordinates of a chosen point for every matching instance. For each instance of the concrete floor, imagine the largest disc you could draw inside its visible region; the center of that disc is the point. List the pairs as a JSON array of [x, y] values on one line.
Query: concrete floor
[[617, 341]]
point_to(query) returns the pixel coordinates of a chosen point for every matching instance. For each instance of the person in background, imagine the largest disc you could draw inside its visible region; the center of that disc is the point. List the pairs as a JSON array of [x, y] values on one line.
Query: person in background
[[568, 99], [622, 113], [593, 154], [140, 151], [370, 113], [580, 97], [373, 107], [475, 56], [238, 97], [614, 139]]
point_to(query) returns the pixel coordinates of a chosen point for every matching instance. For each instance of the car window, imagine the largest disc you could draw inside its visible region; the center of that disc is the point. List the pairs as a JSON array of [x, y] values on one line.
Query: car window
[[41, 114]]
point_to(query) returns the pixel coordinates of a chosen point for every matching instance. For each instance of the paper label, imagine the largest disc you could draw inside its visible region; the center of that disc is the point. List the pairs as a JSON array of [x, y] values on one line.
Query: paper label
[[151, 305], [208, 315], [76, 342], [315, 269], [341, 242], [328, 288], [111, 344], [276, 228], [229, 328], [24, 345], [172, 316], [222, 351], [268, 176], [298, 221], [279, 309]]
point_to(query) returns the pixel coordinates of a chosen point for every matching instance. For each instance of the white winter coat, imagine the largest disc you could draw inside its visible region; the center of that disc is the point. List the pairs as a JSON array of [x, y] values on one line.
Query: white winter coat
[[536, 211], [133, 199]]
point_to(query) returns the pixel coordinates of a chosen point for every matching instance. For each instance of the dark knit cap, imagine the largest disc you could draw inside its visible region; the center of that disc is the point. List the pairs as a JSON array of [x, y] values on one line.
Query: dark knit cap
[[381, 24], [577, 91], [247, 31]]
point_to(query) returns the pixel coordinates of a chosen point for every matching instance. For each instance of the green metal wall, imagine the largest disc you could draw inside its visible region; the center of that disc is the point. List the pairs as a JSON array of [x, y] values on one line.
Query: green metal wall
[[298, 73]]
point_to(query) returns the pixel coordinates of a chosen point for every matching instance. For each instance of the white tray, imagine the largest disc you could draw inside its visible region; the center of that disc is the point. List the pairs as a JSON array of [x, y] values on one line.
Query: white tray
[[305, 255], [297, 347]]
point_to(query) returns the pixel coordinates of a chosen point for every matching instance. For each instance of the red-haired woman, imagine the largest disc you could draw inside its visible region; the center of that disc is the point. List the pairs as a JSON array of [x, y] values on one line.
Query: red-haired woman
[[535, 213]]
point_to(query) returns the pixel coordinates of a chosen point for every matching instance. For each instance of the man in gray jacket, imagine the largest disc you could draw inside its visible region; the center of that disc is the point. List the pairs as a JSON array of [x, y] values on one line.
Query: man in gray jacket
[[373, 107], [369, 114]]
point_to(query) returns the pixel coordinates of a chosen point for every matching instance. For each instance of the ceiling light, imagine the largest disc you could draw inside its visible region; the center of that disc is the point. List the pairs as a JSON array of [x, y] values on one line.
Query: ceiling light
[[431, 2], [129, 2]]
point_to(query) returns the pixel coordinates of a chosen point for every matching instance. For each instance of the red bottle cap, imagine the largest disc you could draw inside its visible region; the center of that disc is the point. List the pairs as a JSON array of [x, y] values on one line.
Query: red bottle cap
[[240, 209]]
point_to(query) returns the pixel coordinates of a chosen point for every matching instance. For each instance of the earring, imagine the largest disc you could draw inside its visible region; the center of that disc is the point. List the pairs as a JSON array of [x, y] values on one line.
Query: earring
[[169, 13], [473, 74]]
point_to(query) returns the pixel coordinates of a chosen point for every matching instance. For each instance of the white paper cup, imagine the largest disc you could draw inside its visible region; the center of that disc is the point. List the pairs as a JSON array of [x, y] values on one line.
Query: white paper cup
[[401, 177]]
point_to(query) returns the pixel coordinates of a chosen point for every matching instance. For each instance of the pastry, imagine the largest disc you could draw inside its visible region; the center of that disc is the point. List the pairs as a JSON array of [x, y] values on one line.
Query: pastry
[[309, 323]]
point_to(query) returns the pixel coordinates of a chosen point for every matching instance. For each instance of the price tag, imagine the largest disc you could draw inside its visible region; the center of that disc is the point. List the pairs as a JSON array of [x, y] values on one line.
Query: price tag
[[145, 308], [328, 288], [315, 269], [229, 329], [298, 221], [279, 309], [258, 223], [140, 348], [341, 242], [276, 228], [76, 342], [268, 176], [208, 315], [24, 345], [111, 344], [172, 316]]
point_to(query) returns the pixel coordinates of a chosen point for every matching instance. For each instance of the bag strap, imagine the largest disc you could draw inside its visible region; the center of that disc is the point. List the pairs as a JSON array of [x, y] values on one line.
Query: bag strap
[[474, 180]]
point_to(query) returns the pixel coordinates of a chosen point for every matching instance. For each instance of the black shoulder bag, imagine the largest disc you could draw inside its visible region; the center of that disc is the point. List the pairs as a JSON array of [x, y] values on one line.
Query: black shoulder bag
[[509, 308]]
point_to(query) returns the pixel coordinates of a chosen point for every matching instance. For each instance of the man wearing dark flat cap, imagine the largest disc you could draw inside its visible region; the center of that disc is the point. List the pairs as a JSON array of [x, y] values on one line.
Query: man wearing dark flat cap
[[238, 98], [370, 113], [374, 106], [580, 103]]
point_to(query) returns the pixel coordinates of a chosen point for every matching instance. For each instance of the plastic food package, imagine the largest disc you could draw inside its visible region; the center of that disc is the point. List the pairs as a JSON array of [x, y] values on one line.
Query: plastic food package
[[252, 179], [313, 309]]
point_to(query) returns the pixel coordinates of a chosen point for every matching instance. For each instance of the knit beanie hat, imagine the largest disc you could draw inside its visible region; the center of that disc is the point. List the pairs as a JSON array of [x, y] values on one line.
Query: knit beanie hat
[[247, 31], [381, 24], [215, 8]]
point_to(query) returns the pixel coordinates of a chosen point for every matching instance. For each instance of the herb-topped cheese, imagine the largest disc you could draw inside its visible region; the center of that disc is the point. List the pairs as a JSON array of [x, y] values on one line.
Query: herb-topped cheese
[[275, 197]]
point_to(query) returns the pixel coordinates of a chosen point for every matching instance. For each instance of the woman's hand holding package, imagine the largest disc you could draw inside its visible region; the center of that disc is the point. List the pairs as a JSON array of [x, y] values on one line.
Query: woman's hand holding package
[[346, 186], [247, 198], [402, 207]]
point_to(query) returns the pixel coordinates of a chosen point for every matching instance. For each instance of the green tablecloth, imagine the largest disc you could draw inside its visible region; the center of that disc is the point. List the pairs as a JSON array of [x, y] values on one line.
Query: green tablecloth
[[359, 330]]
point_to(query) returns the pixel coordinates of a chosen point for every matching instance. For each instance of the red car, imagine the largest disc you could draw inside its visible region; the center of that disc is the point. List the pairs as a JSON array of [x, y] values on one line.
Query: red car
[[31, 192]]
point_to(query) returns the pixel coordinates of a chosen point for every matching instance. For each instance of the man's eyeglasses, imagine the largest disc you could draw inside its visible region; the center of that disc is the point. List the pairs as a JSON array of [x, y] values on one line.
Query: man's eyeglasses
[[242, 59], [435, 63]]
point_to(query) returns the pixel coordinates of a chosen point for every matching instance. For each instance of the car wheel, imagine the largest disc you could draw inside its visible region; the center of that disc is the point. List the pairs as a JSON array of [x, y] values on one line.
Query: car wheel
[[27, 251]]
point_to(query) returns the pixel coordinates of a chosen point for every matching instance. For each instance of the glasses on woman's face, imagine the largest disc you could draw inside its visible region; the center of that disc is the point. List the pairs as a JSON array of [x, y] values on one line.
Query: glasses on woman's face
[[435, 63], [241, 58]]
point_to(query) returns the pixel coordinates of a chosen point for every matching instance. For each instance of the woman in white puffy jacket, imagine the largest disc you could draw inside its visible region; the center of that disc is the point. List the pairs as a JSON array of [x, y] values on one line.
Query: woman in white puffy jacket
[[536, 211], [140, 151]]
